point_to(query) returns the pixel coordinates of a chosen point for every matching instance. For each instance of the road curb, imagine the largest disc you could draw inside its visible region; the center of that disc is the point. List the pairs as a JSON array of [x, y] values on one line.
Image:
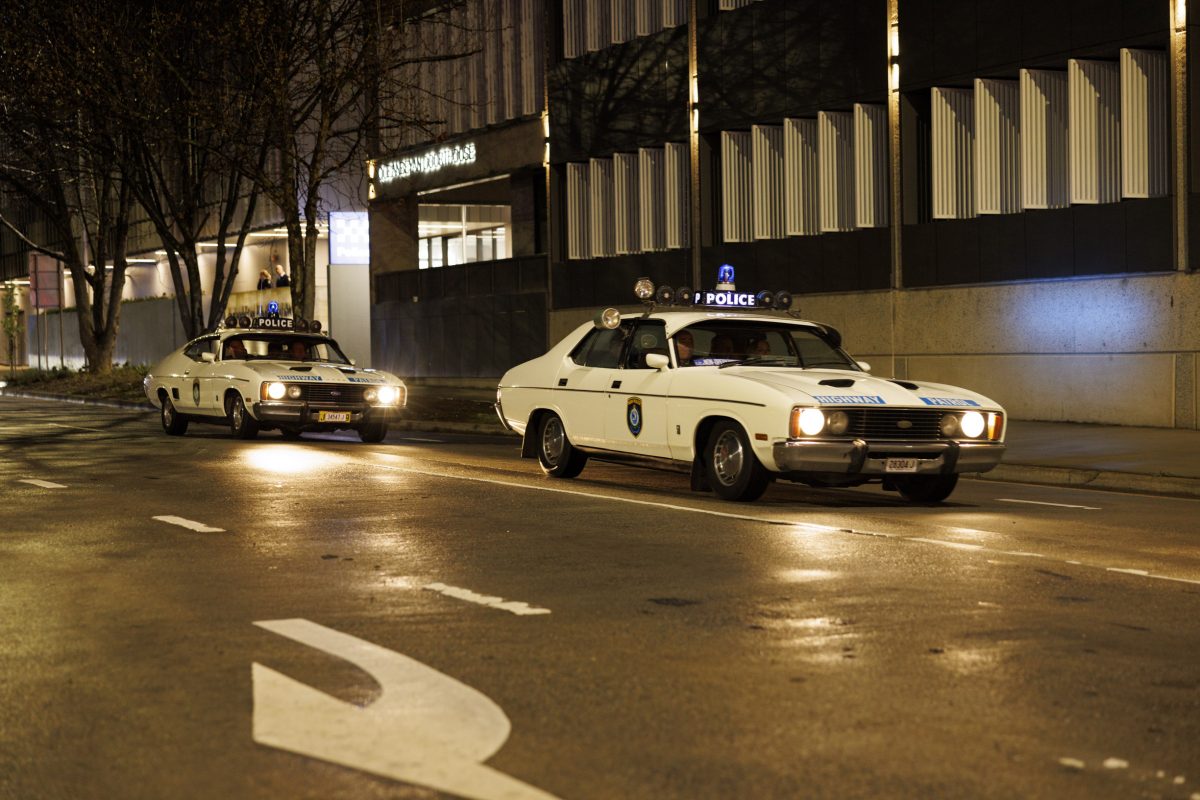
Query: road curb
[[1168, 485]]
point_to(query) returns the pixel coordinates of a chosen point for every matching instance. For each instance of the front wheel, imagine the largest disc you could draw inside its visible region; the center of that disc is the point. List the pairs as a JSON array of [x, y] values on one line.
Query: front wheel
[[173, 423], [241, 423], [556, 454], [734, 472], [927, 488], [373, 432]]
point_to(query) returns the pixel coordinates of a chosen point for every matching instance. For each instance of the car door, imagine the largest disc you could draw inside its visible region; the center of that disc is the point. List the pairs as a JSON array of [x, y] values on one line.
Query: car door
[[583, 383], [635, 417], [196, 386]]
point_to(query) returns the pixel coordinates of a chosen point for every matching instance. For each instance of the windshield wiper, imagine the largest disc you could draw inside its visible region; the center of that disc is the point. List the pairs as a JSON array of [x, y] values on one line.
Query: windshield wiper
[[753, 360]]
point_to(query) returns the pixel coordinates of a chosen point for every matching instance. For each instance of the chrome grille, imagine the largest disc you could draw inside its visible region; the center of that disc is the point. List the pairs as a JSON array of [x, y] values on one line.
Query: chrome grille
[[335, 394], [889, 423]]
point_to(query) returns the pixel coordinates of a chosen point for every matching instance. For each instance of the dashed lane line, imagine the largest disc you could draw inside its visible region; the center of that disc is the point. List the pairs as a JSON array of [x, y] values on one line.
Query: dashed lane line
[[511, 606], [788, 523], [1042, 503], [190, 524], [43, 484]]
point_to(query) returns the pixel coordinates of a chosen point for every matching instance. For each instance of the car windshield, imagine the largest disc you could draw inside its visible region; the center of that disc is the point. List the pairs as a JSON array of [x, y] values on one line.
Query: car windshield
[[277, 347], [757, 344]]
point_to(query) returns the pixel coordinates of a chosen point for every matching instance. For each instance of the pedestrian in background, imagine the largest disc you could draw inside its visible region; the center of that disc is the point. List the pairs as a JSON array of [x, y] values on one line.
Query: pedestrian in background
[[264, 279], [281, 278]]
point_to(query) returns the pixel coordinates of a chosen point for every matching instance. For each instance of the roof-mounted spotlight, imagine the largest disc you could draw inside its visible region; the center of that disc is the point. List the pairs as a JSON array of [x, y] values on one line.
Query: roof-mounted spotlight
[[644, 289], [231, 321], [764, 299], [664, 295], [315, 326], [684, 296], [243, 321], [608, 318], [783, 299], [301, 325]]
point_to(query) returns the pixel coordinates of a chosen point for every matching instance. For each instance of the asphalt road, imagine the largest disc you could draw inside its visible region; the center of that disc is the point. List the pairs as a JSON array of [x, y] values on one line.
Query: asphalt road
[[429, 617]]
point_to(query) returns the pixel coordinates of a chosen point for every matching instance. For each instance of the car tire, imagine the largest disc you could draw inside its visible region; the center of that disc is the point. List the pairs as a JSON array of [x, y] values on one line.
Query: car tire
[[174, 423], [373, 432], [734, 472], [556, 454], [241, 423], [927, 488]]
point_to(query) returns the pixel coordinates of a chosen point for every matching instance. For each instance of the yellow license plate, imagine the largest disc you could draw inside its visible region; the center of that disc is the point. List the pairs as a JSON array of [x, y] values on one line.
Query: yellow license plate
[[333, 416]]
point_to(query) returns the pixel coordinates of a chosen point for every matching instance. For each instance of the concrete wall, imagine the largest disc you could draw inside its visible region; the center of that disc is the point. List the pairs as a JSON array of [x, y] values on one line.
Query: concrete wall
[[1105, 350]]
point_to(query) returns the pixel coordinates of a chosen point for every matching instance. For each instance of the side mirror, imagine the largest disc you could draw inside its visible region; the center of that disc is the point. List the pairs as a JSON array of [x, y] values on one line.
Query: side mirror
[[863, 365], [353, 362], [208, 358], [657, 361]]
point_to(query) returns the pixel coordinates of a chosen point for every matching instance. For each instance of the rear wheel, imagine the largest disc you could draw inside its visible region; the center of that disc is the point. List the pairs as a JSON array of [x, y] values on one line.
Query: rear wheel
[[927, 488], [241, 423], [173, 423], [556, 454], [734, 472], [373, 432]]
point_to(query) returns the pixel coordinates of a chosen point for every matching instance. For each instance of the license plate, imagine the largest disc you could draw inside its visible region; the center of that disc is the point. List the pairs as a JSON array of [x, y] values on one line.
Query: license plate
[[900, 465], [341, 416]]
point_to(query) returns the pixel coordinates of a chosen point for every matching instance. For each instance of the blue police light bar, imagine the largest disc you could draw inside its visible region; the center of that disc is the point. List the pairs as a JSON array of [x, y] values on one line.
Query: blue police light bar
[[273, 307]]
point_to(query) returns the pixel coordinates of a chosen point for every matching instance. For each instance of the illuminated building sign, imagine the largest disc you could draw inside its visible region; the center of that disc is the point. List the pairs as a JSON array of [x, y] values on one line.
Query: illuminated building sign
[[427, 162], [349, 237]]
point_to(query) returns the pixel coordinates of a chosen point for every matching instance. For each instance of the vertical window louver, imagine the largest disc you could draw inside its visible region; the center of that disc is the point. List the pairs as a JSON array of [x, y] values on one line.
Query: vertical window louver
[[458, 72], [597, 29], [476, 67], [1043, 139], [997, 147], [870, 166], [601, 208], [622, 16], [953, 135], [737, 209], [1094, 127], [578, 216], [533, 33], [674, 13], [1145, 114], [835, 156], [510, 51], [675, 186], [652, 199], [574, 28], [801, 185], [626, 195], [649, 16], [766, 149], [493, 52]]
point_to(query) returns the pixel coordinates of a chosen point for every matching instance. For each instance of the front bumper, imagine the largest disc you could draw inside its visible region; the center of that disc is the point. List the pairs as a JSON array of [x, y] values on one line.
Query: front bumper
[[306, 415], [861, 457]]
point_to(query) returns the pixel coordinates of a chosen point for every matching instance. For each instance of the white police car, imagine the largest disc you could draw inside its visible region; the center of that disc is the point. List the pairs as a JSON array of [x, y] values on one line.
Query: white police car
[[738, 393], [265, 373]]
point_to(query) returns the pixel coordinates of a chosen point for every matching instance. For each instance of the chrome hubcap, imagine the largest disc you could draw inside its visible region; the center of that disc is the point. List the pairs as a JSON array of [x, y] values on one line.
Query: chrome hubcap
[[168, 414], [553, 440], [237, 415], [727, 458]]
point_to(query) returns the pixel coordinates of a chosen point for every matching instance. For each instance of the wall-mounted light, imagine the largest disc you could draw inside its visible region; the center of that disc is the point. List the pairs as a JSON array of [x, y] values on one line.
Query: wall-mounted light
[[1180, 15]]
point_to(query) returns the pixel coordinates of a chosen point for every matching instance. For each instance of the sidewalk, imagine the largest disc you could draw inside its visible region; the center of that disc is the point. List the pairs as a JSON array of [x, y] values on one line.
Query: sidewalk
[[1164, 461]]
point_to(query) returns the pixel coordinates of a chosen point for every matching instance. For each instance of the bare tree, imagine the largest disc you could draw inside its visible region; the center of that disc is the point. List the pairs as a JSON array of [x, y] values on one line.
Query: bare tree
[[61, 147]]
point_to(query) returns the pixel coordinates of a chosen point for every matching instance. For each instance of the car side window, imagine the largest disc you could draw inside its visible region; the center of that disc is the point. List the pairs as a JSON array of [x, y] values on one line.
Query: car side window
[[650, 336], [196, 348], [602, 348]]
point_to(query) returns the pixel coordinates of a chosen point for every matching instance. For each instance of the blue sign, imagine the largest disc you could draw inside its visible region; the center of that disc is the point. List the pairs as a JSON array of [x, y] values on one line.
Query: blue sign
[[948, 401], [726, 299], [851, 399], [725, 273]]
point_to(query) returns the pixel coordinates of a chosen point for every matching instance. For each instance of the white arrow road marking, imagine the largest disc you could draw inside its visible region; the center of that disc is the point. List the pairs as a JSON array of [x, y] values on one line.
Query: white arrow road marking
[[512, 606], [425, 728], [43, 484], [190, 524]]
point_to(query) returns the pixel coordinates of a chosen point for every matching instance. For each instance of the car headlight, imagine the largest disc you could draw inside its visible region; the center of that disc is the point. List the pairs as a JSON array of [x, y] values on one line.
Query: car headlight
[[807, 421], [294, 392], [388, 395], [949, 425], [370, 395], [839, 422], [275, 390], [972, 424]]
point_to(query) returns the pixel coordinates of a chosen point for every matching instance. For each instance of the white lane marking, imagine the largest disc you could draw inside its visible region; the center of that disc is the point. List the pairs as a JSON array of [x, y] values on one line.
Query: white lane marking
[[78, 428], [43, 484], [1072, 763], [765, 520], [1040, 503], [512, 606], [946, 543], [425, 727], [1143, 573], [190, 524], [1116, 763], [419, 439]]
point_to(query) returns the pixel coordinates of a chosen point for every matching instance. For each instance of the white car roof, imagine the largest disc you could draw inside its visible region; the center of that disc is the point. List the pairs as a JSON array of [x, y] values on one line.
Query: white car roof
[[677, 319]]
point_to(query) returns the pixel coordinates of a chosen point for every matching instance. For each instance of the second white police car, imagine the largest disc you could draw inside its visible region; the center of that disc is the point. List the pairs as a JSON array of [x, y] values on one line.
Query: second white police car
[[264, 373], [739, 395]]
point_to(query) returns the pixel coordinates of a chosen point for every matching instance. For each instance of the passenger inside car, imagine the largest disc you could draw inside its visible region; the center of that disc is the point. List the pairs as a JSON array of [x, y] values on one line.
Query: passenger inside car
[[234, 350]]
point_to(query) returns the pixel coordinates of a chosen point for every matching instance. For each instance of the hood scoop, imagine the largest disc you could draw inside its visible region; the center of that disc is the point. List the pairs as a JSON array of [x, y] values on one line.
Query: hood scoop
[[841, 383], [907, 385], [300, 369], [347, 370]]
